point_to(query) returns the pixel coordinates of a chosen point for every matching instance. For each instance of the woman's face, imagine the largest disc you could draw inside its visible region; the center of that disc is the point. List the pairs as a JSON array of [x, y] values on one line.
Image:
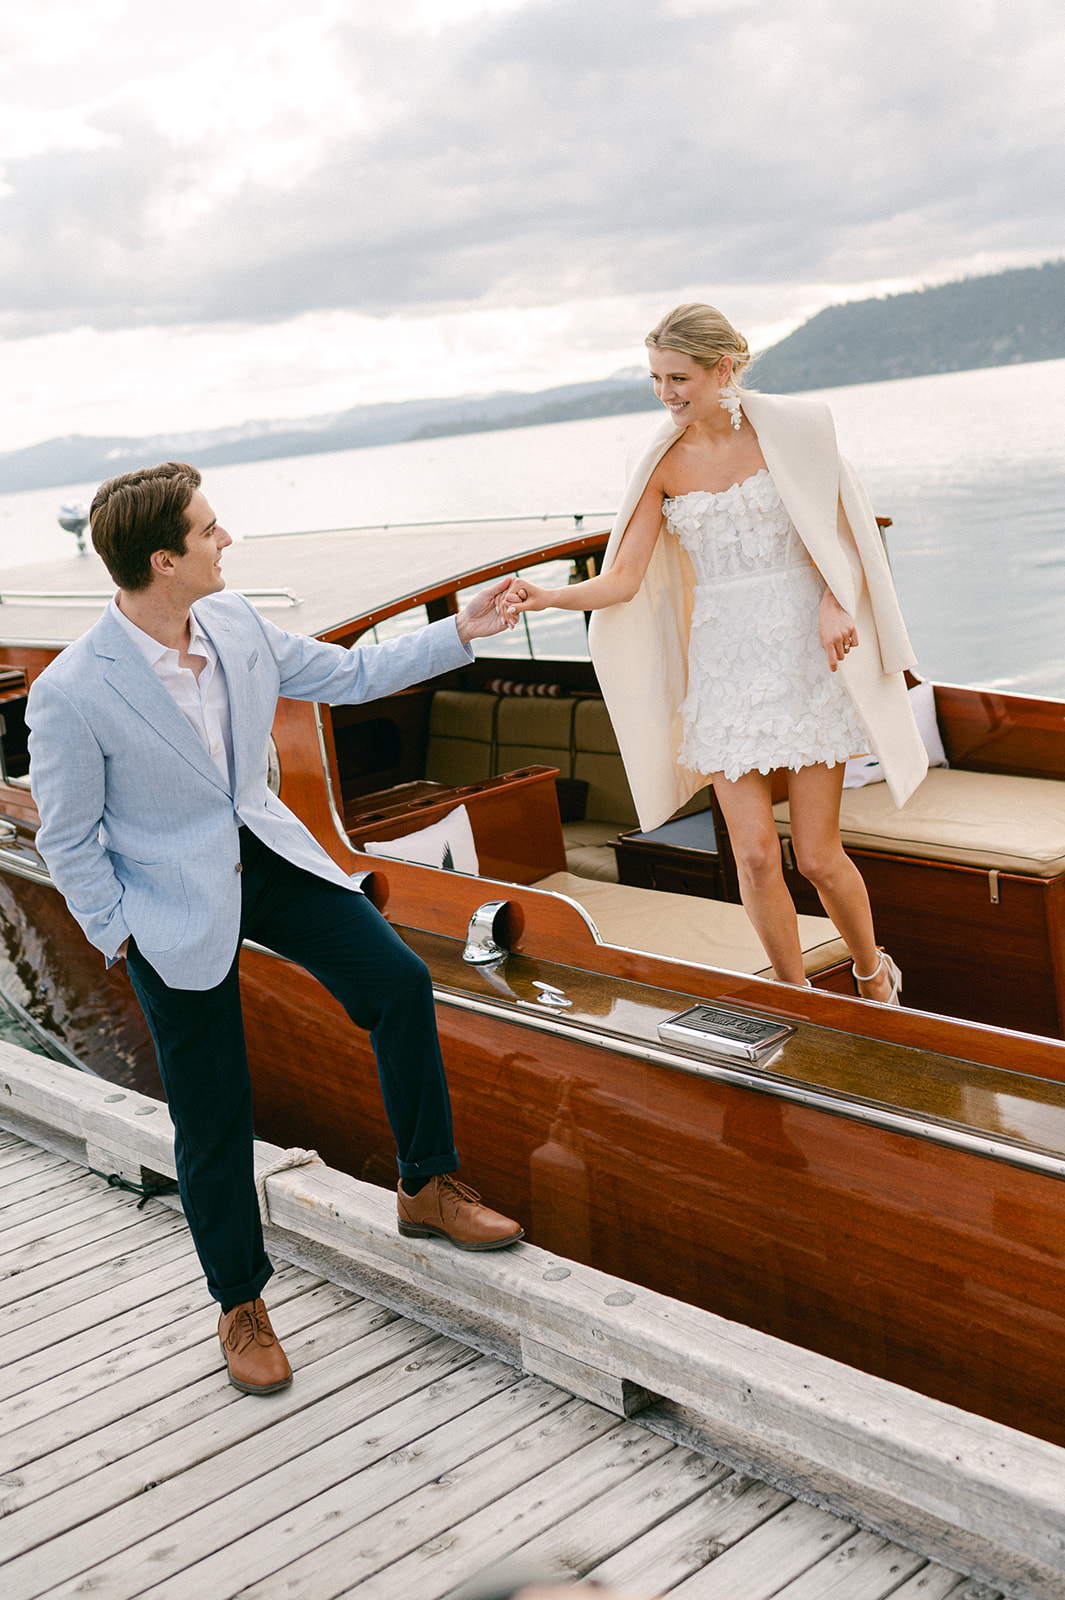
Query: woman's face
[[687, 390]]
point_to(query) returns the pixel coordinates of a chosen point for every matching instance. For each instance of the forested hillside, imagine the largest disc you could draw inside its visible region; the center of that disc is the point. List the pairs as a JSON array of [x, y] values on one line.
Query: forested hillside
[[979, 322]]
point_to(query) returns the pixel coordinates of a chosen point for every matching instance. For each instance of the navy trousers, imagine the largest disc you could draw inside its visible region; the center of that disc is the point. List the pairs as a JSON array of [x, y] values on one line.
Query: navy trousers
[[338, 936]]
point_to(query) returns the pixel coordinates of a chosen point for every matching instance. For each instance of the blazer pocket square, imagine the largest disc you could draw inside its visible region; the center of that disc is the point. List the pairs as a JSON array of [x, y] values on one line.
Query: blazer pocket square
[[252, 659]]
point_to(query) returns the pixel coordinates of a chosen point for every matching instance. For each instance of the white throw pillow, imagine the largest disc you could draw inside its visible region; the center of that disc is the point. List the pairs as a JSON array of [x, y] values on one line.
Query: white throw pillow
[[867, 769], [447, 844]]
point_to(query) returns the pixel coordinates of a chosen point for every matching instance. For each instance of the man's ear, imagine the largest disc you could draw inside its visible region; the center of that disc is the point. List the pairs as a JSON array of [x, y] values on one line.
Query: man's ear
[[162, 562]]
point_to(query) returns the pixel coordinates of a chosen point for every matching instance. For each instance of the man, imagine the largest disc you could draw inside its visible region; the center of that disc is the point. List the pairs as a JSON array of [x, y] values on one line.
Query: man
[[149, 741]]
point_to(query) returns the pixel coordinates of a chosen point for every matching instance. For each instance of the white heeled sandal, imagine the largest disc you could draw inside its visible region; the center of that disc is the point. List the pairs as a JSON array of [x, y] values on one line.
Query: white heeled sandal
[[893, 973]]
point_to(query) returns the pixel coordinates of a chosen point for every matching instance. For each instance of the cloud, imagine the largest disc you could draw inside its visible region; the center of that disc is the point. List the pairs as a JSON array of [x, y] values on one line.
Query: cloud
[[450, 153]]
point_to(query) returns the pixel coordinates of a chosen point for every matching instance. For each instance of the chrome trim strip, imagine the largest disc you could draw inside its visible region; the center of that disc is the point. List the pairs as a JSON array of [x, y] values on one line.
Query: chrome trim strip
[[95, 596], [818, 1099], [913, 1126], [20, 867], [574, 517]]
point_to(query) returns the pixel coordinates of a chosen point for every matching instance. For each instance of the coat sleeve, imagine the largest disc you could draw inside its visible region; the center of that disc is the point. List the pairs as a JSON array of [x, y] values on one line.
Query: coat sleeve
[[896, 651], [67, 776], [313, 670]]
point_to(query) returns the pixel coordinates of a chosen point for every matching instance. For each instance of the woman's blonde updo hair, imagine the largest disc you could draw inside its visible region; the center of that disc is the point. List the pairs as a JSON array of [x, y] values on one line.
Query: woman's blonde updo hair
[[704, 334]]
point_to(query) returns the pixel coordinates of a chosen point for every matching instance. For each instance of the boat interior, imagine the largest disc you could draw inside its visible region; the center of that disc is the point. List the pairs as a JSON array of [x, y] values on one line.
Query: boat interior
[[967, 881], [885, 1187]]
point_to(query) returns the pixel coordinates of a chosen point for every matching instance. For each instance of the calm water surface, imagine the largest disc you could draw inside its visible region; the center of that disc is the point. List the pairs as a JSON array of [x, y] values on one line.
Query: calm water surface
[[970, 466]]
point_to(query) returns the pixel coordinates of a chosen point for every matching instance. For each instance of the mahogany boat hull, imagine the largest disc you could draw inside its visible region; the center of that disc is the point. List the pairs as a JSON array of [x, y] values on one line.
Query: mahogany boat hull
[[889, 1192], [935, 1267]]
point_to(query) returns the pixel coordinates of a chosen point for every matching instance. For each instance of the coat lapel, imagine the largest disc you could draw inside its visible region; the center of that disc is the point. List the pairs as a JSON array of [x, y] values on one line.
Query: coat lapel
[[798, 441], [237, 662], [132, 678]]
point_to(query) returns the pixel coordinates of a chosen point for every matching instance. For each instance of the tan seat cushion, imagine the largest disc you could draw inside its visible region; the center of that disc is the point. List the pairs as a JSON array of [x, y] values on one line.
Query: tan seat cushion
[[461, 736], [598, 762], [976, 819], [534, 733], [687, 928], [590, 849]]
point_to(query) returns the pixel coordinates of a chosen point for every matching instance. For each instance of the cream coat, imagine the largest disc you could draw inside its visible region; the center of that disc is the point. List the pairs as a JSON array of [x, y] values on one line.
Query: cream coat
[[640, 648]]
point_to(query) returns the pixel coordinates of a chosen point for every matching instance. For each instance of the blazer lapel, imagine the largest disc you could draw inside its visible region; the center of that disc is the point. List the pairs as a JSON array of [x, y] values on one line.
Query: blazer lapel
[[798, 442], [131, 677], [237, 660]]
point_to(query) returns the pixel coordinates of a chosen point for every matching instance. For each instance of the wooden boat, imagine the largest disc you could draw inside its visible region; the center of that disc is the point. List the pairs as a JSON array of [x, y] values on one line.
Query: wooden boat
[[885, 1187]]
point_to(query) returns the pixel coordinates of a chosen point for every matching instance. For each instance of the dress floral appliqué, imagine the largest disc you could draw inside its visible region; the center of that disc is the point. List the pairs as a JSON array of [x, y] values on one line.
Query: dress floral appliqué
[[760, 692]]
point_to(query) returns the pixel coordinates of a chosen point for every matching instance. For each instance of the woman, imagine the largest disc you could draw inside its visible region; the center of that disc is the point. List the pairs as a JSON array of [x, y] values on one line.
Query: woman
[[746, 622]]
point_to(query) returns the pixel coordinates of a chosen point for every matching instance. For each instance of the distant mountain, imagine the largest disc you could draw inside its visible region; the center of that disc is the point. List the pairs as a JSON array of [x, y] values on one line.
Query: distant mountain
[[80, 459], [995, 321], [978, 322]]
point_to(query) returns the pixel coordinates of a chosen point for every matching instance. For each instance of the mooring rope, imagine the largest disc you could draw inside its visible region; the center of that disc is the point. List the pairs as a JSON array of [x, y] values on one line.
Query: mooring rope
[[287, 1159]]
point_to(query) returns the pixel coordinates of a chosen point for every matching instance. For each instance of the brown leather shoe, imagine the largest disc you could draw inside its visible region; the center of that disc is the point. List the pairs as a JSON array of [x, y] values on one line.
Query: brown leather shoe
[[445, 1209], [256, 1362]]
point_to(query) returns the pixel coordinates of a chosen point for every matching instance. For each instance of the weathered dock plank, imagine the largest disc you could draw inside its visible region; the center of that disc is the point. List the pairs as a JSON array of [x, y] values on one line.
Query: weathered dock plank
[[400, 1463], [587, 1500], [285, 1507], [727, 1511], [866, 1567], [43, 1299], [82, 1328], [779, 1550], [577, 1544], [107, 1388], [199, 1419], [16, 1165], [55, 1256]]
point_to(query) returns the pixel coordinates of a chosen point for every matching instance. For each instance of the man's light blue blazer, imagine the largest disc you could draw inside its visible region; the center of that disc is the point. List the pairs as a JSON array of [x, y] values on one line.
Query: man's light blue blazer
[[138, 828]]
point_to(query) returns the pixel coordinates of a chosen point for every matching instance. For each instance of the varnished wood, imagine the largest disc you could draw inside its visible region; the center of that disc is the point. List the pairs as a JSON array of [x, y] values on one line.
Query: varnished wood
[[928, 1264], [961, 954], [49, 967], [984, 731], [921, 1263], [514, 819], [304, 778]]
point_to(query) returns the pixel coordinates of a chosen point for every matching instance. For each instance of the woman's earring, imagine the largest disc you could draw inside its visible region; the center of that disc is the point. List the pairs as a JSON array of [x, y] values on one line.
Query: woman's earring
[[729, 400]]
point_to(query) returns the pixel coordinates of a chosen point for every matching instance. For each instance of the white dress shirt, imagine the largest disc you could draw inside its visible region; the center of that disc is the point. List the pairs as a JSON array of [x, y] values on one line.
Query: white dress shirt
[[203, 701]]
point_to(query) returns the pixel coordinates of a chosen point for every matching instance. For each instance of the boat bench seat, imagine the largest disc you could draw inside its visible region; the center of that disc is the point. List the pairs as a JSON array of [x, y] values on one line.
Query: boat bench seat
[[967, 885], [475, 735], [991, 820], [710, 932]]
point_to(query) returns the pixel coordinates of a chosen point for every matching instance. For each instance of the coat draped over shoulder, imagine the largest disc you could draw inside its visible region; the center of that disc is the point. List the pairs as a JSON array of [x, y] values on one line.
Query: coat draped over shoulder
[[640, 647]]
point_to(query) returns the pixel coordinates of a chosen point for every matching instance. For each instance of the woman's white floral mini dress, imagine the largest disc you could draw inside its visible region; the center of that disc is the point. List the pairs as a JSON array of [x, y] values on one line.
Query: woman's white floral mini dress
[[760, 692]]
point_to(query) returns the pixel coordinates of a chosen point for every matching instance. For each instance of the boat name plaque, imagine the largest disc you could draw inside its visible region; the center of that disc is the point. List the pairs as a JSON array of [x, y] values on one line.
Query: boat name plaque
[[718, 1031]]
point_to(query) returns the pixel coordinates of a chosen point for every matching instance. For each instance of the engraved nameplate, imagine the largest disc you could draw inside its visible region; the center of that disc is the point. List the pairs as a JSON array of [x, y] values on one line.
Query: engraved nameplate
[[729, 1035]]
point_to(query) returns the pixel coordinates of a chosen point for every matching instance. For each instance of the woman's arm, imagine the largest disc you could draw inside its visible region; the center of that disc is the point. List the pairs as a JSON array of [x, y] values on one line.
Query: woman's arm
[[836, 629], [619, 583]]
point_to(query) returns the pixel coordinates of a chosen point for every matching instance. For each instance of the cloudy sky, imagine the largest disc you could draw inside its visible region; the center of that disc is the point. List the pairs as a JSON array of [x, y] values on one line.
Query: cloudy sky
[[215, 211]]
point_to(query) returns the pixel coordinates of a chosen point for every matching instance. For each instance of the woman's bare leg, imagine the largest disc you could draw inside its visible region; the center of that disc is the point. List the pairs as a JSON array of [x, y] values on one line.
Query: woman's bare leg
[[815, 794], [748, 812]]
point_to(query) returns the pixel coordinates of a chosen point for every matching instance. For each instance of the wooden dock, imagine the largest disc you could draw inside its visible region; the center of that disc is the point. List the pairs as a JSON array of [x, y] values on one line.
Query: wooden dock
[[402, 1463]]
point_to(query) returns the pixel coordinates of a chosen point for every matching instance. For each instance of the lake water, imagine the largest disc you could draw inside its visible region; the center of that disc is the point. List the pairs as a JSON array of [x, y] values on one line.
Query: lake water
[[970, 466]]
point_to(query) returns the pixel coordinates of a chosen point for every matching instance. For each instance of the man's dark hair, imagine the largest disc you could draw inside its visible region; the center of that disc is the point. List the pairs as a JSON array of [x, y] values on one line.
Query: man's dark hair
[[138, 513]]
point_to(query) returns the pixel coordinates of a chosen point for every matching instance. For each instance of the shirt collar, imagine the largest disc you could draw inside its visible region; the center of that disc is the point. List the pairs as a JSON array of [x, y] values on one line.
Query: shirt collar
[[154, 652]]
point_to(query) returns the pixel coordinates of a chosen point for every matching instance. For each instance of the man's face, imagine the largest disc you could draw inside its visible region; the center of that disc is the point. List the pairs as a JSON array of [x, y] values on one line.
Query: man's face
[[198, 571]]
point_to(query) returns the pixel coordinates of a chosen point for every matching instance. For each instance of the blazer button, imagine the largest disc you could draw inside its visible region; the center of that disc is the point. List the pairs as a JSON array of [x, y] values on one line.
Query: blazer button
[[240, 866]]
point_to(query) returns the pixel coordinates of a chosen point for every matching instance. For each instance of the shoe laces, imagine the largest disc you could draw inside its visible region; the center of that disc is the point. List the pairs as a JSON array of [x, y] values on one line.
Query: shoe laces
[[250, 1325], [460, 1189]]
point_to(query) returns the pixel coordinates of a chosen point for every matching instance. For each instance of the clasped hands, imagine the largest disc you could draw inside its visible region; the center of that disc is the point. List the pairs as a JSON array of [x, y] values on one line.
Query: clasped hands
[[520, 595]]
